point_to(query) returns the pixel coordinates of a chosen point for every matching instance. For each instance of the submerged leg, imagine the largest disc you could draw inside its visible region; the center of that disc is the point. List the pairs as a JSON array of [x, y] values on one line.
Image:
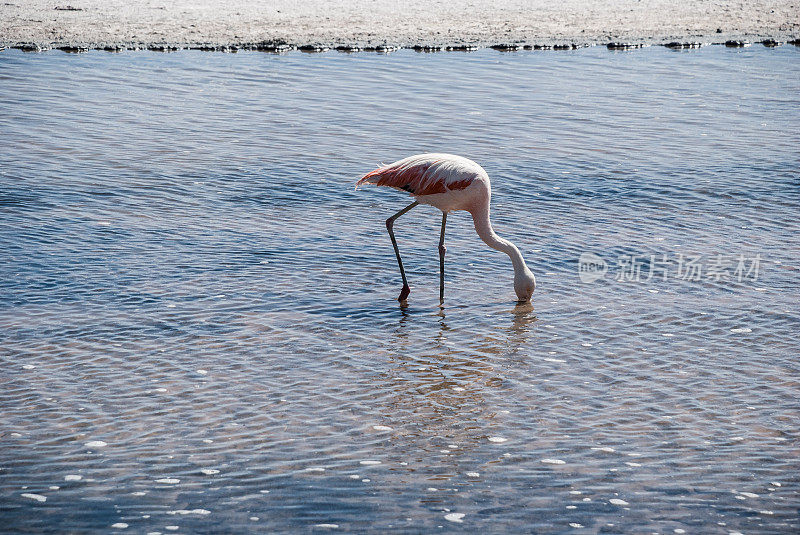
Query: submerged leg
[[389, 224], [442, 250]]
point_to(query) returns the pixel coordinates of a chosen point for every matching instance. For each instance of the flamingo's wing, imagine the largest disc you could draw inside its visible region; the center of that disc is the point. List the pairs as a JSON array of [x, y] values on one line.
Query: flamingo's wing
[[421, 175]]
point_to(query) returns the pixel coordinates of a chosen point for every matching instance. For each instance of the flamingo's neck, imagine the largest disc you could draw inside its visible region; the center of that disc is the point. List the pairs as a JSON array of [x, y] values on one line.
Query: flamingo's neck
[[483, 226]]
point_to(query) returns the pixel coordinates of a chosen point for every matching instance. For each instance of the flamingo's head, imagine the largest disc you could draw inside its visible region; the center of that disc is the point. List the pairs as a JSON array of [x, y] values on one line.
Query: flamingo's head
[[524, 285]]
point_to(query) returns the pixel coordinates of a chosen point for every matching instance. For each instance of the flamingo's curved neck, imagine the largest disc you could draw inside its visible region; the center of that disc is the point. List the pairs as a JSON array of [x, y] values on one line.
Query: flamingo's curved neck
[[483, 226]]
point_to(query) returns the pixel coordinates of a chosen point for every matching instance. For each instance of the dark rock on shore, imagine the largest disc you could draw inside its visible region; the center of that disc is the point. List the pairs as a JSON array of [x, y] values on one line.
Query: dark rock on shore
[[74, 49], [624, 46], [278, 46], [312, 48], [512, 47], [163, 48], [427, 48], [677, 46], [30, 47]]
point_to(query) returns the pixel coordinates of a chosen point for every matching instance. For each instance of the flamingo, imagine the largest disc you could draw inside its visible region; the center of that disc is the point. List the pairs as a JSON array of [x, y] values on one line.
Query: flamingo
[[449, 183]]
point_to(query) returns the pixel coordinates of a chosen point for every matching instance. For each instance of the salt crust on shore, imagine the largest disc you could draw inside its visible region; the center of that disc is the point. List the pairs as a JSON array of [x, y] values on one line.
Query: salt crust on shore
[[362, 23]]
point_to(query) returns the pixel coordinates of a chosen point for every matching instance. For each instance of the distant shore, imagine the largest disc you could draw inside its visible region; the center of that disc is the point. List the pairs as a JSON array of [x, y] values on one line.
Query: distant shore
[[385, 25]]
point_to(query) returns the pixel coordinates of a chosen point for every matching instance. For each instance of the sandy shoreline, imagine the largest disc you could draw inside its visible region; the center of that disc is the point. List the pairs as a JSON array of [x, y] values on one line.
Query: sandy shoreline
[[361, 23]]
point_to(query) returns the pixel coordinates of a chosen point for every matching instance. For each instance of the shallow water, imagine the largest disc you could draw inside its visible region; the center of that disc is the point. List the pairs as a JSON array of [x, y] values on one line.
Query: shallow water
[[197, 316]]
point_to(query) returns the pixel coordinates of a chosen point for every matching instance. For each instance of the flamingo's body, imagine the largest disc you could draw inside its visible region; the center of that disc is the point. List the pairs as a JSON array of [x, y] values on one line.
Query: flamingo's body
[[449, 183]]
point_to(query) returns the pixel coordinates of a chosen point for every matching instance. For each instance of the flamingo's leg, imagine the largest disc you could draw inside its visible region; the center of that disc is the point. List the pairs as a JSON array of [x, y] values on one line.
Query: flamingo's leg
[[442, 251], [389, 224]]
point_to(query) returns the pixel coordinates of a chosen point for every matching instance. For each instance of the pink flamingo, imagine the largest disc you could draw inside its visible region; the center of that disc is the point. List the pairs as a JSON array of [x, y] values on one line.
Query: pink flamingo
[[449, 183]]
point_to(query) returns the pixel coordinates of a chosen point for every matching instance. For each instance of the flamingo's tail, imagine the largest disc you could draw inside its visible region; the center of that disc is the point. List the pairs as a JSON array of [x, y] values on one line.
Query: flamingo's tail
[[373, 177]]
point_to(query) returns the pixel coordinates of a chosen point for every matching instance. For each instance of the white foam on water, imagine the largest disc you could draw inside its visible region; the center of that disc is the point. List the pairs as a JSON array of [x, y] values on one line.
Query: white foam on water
[[473, 474], [432, 489], [96, 444], [327, 526], [202, 372], [634, 464], [209, 471], [189, 512], [742, 330], [32, 496], [315, 469], [168, 481], [498, 440], [254, 518], [138, 493], [172, 528], [72, 477], [749, 494], [207, 440], [119, 525], [264, 491], [54, 487], [382, 428], [548, 359], [366, 480], [355, 476], [575, 525], [458, 389], [572, 507], [775, 484], [369, 463], [679, 530], [28, 366], [455, 517], [553, 461], [617, 501], [604, 449], [575, 492]]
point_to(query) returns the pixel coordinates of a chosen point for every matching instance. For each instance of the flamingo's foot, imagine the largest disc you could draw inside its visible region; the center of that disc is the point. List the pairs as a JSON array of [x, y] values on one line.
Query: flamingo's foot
[[404, 293]]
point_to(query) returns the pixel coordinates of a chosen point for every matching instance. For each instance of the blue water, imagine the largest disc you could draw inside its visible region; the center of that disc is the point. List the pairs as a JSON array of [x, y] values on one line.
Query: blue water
[[198, 325]]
